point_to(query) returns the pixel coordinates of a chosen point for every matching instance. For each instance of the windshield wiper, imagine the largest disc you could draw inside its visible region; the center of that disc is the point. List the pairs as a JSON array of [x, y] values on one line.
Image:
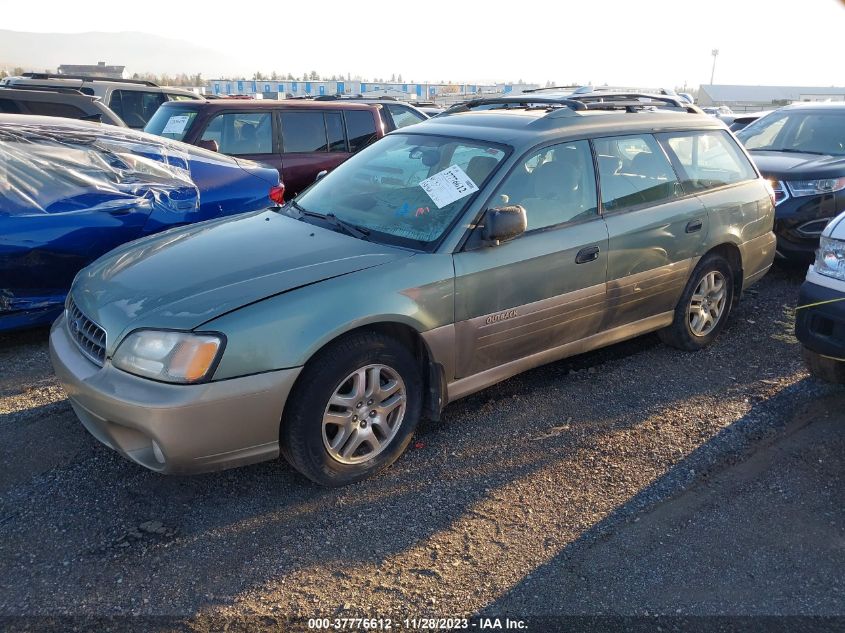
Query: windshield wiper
[[351, 229], [331, 218], [787, 151]]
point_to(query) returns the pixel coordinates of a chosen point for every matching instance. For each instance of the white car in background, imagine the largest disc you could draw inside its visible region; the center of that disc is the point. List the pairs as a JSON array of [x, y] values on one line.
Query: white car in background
[[820, 316]]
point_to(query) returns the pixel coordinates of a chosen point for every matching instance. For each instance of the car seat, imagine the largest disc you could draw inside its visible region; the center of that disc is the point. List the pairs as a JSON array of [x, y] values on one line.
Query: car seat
[[479, 167]]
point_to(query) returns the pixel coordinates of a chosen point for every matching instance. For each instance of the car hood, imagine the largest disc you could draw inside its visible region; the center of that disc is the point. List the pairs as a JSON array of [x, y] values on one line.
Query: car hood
[[789, 166], [185, 277]]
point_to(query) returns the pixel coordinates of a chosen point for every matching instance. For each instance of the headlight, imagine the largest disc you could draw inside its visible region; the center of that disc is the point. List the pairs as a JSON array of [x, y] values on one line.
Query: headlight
[[181, 357], [830, 258], [814, 187]]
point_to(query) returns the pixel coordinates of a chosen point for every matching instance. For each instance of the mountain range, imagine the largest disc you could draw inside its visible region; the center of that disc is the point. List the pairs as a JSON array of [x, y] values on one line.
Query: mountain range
[[139, 52]]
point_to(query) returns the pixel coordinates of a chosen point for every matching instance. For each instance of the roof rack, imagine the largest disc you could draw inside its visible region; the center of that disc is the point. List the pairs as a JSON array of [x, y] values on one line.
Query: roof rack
[[517, 102], [141, 82], [570, 88], [633, 98], [338, 97], [46, 88]]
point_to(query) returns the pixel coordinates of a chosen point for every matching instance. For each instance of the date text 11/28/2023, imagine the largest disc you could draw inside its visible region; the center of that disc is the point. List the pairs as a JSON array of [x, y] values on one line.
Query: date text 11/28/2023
[[415, 624]]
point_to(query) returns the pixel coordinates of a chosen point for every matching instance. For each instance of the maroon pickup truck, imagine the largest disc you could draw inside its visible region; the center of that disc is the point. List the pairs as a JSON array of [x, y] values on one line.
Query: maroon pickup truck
[[299, 138]]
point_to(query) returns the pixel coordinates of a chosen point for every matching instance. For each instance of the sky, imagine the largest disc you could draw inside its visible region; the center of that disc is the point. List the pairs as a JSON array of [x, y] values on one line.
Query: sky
[[647, 43]]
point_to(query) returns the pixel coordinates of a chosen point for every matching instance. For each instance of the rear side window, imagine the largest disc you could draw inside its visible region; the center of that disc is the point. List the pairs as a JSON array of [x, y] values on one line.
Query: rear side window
[[7, 106], [43, 108], [135, 107], [241, 132], [361, 129], [634, 171], [709, 159], [403, 117]]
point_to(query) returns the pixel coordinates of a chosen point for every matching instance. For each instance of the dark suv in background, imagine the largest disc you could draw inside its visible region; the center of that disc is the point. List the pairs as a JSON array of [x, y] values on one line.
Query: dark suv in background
[[134, 100], [801, 150], [300, 138], [70, 104]]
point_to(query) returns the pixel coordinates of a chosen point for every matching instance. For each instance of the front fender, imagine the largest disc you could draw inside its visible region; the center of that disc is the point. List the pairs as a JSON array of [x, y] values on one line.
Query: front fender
[[286, 330]]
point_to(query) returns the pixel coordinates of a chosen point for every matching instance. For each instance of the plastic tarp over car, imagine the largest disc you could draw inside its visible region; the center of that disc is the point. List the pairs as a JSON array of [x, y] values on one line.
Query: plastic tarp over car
[[66, 168], [70, 191]]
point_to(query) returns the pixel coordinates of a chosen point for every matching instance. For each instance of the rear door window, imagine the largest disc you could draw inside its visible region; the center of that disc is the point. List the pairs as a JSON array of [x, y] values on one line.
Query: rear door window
[[634, 171], [360, 128], [241, 132], [709, 159], [304, 132], [135, 107]]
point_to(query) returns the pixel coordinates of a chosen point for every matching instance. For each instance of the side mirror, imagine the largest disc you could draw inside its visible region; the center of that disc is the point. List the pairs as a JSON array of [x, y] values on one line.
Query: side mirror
[[209, 144], [321, 175], [503, 223]]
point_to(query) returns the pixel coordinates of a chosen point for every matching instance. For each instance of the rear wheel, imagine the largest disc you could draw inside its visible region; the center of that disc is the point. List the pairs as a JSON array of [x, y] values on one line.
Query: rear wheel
[[353, 411], [704, 306], [828, 369]]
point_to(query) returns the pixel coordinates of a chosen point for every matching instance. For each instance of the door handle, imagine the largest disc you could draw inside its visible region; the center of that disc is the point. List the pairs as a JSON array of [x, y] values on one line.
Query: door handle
[[587, 254], [694, 225]]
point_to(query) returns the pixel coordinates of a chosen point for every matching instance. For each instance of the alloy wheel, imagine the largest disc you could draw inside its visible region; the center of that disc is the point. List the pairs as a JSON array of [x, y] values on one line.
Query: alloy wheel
[[707, 304], [364, 414]]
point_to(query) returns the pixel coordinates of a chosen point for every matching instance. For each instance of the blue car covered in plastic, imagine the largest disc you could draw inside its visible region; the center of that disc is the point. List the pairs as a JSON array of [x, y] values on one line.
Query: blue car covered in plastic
[[71, 191]]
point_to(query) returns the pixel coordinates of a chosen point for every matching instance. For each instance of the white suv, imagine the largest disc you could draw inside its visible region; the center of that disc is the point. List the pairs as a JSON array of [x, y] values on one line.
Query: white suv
[[135, 101], [820, 316]]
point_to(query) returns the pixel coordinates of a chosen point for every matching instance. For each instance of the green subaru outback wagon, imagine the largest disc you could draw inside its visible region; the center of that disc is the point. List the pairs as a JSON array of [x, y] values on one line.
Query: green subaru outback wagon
[[436, 262]]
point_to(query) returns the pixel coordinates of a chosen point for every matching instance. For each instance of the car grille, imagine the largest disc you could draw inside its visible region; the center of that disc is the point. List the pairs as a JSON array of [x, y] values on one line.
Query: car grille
[[89, 337], [780, 191]]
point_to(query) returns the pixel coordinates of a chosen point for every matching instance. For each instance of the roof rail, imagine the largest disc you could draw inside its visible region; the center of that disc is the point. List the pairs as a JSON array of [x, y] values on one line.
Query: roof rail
[[633, 98], [636, 106], [570, 88], [516, 102], [46, 88], [141, 82]]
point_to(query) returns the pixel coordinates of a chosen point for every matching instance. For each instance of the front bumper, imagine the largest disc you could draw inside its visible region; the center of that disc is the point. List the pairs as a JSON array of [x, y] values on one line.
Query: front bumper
[[794, 213], [173, 428], [820, 320]]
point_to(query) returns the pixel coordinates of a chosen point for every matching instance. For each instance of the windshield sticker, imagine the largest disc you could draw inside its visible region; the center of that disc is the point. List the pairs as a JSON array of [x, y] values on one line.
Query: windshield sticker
[[448, 185], [176, 124]]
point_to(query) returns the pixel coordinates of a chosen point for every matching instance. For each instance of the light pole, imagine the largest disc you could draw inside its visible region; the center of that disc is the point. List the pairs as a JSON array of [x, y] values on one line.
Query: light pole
[[715, 54]]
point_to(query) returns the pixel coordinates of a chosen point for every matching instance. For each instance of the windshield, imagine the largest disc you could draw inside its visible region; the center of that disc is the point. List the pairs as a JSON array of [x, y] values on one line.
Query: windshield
[[171, 122], [812, 132], [406, 186]]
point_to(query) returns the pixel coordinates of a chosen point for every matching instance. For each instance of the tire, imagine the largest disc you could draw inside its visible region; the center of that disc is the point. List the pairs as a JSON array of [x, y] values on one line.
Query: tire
[[827, 369], [692, 333], [334, 405]]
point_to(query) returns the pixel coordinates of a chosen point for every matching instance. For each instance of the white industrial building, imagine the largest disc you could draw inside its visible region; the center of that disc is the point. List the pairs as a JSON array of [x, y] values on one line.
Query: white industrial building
[[753, 98]]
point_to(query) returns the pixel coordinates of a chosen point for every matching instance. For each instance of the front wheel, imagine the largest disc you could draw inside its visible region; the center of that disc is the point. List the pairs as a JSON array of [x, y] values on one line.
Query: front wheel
[[704, 306], [353, 411]]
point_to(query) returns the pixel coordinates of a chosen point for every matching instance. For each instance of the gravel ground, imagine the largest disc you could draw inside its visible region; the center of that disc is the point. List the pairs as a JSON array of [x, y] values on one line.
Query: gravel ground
[[630, 481]]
